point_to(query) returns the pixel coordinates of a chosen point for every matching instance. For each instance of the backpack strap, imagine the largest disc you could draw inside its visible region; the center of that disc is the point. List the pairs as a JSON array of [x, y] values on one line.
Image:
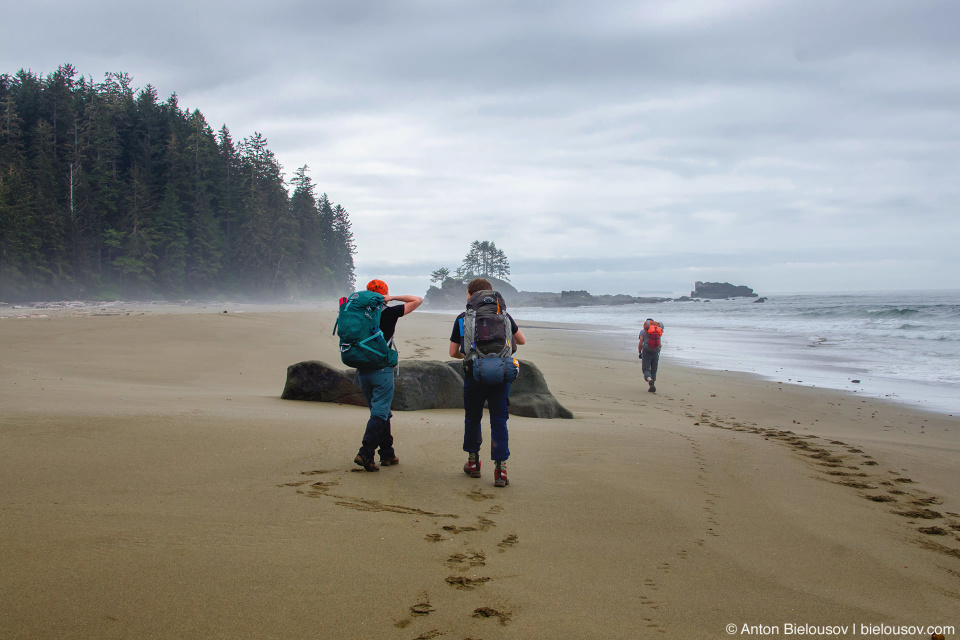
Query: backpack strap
[[468, 330], [508, 347], [363, 342]]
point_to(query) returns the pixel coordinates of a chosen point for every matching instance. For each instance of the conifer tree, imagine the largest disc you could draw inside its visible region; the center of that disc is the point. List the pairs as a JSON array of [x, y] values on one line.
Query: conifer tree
[[107, 191]]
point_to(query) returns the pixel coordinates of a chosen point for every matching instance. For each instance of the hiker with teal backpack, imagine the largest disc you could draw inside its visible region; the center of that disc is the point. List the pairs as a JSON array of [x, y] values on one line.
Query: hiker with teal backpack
[[365, 326], [485, 337]]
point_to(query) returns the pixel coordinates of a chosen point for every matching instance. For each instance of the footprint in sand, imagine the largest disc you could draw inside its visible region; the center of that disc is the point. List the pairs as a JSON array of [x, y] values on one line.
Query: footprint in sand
[[477, 495], [464, 583], [488, 612], [419, 610], [880, 498], [468, 559], [923, 514], [507, 542], [457, 530], [919, 502]]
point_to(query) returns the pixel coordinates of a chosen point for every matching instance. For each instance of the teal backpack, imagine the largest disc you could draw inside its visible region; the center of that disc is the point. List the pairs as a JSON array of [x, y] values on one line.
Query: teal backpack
[[362, 345]]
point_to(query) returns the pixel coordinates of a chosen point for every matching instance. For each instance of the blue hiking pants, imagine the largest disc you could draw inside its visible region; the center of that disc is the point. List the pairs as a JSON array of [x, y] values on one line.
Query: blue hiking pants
[[497, 398], [377, 386]]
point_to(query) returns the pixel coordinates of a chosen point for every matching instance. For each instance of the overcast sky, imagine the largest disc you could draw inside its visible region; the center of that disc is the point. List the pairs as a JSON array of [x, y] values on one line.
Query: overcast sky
[[619, 147]]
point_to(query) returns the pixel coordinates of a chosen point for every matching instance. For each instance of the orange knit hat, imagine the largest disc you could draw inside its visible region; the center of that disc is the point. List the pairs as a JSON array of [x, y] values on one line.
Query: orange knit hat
[[378, 286]]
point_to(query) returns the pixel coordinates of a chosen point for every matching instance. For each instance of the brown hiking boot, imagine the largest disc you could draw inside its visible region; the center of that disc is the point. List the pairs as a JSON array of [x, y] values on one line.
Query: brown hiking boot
[[368, 465], [386, 462]]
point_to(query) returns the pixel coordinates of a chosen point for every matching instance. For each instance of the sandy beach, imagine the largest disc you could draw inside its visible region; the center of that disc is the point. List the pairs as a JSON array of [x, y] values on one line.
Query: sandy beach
[[154, 485]]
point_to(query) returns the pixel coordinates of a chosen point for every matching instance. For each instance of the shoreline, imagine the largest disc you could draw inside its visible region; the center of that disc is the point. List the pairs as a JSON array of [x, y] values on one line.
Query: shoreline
[[155, 485], [596, 332], [774, 343], [752, 358]]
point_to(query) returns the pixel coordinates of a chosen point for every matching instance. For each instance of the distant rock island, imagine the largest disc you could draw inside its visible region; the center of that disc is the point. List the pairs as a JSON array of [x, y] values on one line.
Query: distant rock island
[[720, 290], [452, 294]]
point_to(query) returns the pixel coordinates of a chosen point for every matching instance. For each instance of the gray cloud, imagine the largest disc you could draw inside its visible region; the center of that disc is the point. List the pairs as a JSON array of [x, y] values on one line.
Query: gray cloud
[[809, 141]]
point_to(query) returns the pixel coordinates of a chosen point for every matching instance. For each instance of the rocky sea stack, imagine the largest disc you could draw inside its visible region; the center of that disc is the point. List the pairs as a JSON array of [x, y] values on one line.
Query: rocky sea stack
[[721, 291]]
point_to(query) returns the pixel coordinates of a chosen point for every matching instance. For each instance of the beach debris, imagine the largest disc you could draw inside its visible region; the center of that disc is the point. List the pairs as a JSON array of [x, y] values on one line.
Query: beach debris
[[855, 381]]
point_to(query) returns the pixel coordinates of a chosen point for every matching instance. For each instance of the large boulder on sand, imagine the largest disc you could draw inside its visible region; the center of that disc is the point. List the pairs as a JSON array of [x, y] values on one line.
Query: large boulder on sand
[[426, 384], [529, 395], [319, 382], [420, 384]]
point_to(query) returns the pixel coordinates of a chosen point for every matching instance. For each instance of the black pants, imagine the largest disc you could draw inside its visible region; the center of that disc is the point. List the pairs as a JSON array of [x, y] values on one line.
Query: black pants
[[376, 435]]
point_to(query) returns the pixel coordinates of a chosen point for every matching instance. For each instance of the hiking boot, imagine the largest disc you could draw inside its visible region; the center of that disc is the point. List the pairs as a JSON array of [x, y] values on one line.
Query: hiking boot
[[472, 468], [368, 465], [386, 462], [653, 387], [500, 474]]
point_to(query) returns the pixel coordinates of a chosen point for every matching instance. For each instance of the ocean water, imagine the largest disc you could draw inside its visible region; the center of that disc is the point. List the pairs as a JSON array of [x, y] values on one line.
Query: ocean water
[[903, 346]]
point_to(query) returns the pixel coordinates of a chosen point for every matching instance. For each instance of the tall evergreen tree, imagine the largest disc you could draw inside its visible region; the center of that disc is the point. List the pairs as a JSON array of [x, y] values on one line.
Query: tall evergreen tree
[[484, 260], [107, 191]]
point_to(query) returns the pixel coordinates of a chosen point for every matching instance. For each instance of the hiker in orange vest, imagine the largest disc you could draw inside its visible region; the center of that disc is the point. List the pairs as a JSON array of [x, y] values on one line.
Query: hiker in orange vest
[[649, 349]]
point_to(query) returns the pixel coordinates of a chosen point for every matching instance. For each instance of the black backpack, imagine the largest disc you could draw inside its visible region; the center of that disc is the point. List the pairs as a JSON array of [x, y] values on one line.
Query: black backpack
[[488, 343]]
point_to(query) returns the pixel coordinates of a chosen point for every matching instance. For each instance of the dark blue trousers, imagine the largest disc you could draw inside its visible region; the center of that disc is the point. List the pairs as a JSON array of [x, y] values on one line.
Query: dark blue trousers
[[497, 398]]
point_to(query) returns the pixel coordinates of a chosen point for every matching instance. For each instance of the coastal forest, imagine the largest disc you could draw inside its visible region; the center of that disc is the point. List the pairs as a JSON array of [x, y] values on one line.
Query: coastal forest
[[108, 192]]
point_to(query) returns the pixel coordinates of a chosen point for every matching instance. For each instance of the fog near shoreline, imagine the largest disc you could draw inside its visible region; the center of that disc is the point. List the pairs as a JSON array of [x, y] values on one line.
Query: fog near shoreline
[[66, 308]]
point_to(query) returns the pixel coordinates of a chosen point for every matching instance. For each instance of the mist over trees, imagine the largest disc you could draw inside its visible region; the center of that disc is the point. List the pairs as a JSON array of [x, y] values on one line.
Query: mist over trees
[[106, 191]]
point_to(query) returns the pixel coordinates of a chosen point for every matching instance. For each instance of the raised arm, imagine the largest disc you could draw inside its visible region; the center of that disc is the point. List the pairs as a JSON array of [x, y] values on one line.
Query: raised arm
[[409, 302]]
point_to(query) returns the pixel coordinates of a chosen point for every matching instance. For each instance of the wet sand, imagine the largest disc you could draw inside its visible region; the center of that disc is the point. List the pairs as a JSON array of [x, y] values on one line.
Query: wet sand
[[154, 485]]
